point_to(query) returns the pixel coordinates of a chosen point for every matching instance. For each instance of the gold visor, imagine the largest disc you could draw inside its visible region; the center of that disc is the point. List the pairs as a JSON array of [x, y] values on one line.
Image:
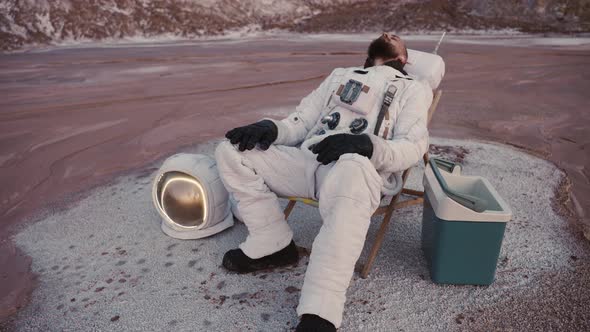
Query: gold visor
[[182, 199]]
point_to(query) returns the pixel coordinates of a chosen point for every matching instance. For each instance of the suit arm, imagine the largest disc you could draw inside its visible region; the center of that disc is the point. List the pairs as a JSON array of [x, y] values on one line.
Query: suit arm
[[410, 136], [293, 129]]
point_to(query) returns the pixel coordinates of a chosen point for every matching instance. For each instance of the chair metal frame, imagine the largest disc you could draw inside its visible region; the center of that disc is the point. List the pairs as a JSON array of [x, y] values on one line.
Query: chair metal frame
[[387, 209]]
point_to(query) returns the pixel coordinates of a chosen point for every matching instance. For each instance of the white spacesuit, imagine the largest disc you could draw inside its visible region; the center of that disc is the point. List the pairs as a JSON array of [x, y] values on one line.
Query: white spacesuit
[[349, 189]]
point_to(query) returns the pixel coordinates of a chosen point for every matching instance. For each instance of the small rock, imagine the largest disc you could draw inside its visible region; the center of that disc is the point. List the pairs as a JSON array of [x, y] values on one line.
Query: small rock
[[291, 289], [459, 319]]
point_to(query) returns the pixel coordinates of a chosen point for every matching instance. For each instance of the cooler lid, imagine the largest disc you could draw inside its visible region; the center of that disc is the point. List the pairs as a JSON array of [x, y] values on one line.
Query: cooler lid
[[464, 198]]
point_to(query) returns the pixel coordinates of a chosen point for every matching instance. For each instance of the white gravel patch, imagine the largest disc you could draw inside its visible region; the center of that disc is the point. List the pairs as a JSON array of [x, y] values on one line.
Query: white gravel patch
[[104, 264]]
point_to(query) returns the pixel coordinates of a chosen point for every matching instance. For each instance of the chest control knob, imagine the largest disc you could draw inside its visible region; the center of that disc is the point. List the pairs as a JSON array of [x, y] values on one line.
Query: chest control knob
[[358, 125], [332, 120]]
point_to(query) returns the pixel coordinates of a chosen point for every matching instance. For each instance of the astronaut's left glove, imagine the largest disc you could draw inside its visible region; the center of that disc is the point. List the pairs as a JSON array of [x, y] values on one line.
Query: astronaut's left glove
[[332, 147]]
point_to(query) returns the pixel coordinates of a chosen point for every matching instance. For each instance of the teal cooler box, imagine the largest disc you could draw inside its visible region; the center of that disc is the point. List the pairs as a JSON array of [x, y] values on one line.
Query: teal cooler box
[[462, 225]]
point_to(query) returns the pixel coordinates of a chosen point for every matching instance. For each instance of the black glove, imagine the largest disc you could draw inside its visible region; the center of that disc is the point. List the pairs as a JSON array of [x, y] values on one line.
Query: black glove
[[262, 133], [332, 147]]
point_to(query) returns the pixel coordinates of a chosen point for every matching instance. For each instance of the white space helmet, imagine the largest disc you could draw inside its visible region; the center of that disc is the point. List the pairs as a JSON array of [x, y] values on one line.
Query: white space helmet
[[190, 197]]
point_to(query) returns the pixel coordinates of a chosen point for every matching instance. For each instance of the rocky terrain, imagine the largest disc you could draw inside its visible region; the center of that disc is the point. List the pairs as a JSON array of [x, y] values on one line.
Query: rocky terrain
[[30, 23]]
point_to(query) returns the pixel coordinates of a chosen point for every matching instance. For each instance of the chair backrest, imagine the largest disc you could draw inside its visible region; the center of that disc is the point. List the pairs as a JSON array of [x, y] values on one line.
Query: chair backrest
[[431, 110], [437, 94]]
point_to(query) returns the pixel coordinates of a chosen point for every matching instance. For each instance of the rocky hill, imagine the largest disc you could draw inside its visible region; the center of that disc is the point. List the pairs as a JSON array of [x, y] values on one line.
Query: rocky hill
[[43, 22]]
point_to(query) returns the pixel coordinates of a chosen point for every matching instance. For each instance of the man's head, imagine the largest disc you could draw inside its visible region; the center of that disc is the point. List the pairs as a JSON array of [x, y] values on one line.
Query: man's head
[[387, 48]]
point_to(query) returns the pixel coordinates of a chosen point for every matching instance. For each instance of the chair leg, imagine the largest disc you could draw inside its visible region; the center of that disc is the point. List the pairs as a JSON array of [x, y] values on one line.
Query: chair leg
[[289, 208], [409, 202], [383, 229], [413, 192]]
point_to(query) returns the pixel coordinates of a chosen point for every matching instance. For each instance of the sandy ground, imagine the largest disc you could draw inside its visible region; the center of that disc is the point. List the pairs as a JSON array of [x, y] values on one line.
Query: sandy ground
[[104, 264], [71, 119]]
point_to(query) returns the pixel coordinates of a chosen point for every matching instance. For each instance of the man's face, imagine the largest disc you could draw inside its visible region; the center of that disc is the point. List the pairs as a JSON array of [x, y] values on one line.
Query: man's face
[[397, 43], [395, 40]]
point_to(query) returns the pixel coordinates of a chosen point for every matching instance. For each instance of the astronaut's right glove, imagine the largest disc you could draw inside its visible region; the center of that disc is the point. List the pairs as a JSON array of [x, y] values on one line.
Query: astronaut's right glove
[[262, 133], [332, 147]]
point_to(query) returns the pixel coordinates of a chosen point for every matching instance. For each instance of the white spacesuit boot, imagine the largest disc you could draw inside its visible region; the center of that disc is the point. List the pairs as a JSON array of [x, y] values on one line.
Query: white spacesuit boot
[[255, 178], [350, 191]]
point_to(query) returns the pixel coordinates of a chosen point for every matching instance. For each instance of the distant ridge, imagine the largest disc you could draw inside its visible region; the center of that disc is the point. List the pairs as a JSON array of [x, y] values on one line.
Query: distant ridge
[[44, 22]]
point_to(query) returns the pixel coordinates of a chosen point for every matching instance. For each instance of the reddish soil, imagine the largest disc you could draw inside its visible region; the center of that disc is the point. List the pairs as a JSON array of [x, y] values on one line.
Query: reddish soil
[[74, 119]]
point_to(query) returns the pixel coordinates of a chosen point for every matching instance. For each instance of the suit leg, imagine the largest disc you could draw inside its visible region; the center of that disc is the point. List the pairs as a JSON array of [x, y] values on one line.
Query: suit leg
[[255, 177], [348, 196]]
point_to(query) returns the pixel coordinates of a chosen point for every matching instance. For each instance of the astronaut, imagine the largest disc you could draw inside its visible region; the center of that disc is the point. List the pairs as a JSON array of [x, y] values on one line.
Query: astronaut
[[345, 145]]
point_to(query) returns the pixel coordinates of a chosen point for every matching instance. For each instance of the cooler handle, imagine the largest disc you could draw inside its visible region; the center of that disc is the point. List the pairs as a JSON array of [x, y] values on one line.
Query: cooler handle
[[468, 201]]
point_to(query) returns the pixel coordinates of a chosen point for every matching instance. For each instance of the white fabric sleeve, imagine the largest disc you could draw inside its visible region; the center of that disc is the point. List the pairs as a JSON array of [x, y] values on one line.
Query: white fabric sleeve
[[410, 135], [293, 129]]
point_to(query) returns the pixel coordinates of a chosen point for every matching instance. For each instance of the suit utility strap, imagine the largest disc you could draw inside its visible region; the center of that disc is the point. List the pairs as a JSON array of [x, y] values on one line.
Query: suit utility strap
[[387, 100]]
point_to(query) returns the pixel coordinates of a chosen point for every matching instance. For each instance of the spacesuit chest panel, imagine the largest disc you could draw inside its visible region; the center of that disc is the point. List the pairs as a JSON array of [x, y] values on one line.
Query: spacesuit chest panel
[[354, 105], [358, 91]]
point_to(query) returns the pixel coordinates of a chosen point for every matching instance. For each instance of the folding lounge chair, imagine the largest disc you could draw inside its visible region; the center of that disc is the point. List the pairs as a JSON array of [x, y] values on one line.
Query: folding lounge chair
[[386, 209]]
